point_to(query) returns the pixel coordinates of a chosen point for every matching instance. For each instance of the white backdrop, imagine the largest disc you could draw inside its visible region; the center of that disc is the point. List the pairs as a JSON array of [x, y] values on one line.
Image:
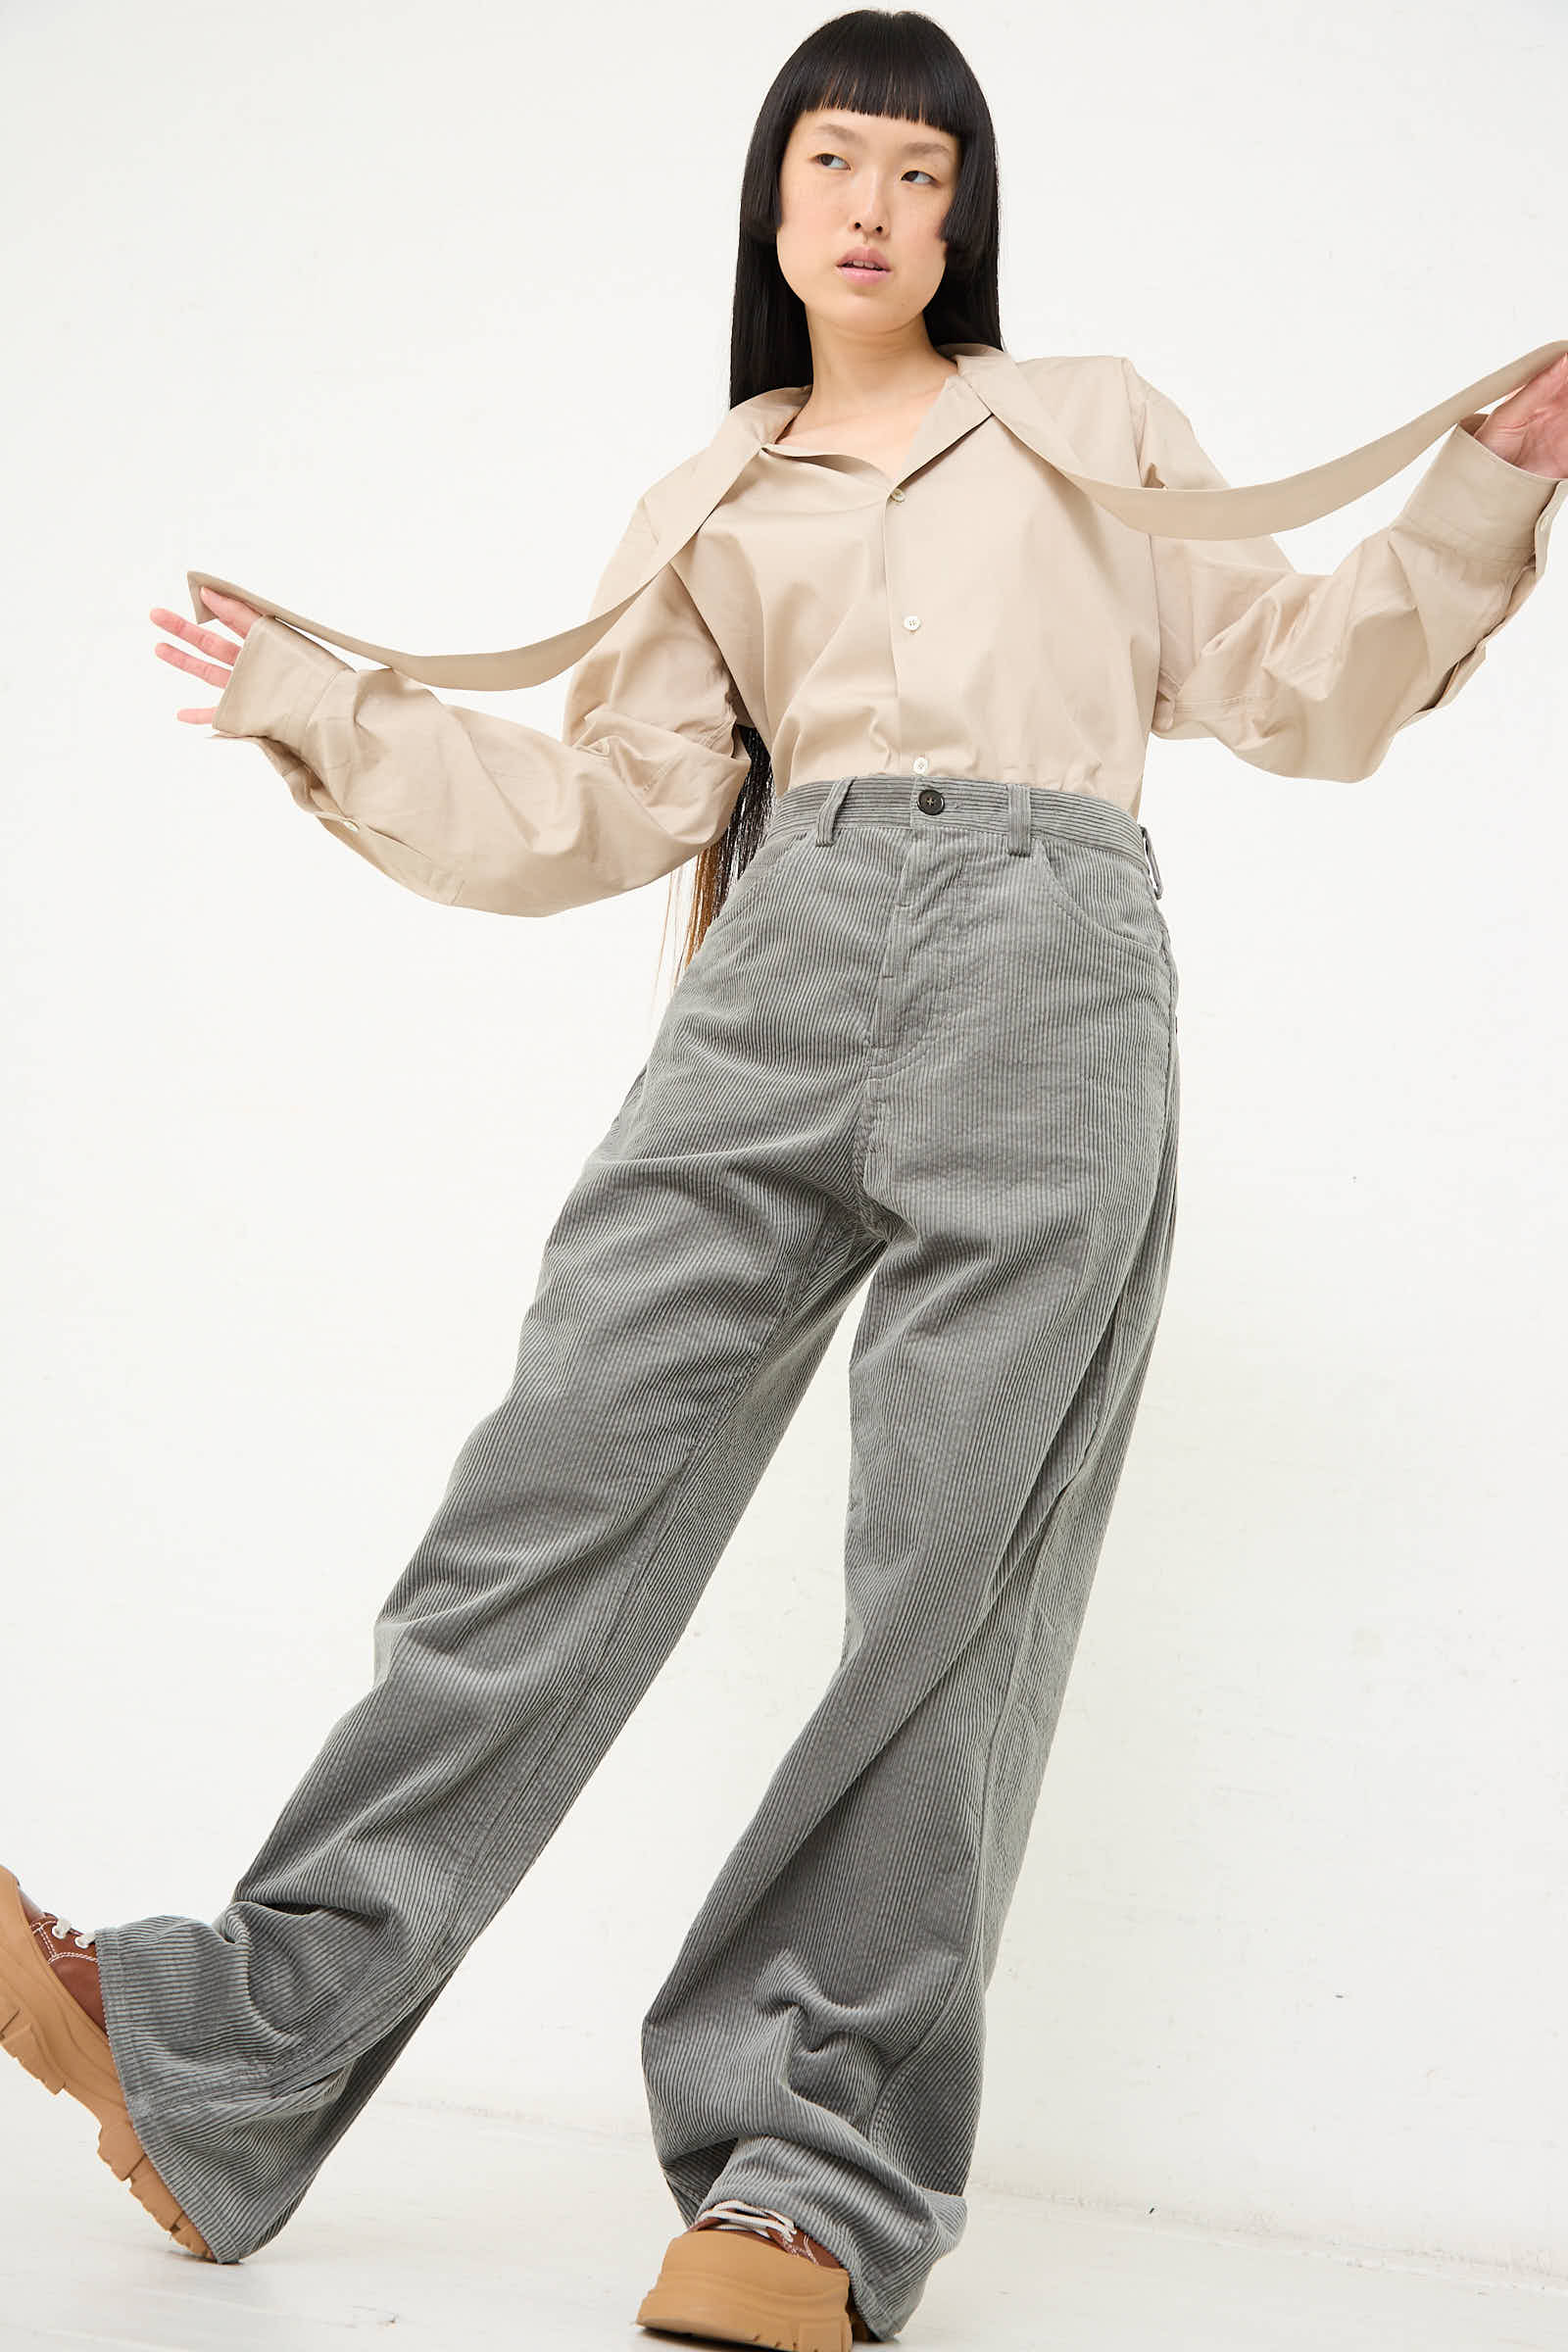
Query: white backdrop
[[394, 312]]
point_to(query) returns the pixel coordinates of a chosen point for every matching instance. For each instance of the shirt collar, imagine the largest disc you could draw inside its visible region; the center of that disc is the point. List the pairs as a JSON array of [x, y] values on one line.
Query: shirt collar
[[765, 414]]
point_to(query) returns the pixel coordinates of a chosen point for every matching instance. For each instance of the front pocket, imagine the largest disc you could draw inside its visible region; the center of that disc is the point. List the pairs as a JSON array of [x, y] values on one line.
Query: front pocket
[[773, 845], [1102, 891]]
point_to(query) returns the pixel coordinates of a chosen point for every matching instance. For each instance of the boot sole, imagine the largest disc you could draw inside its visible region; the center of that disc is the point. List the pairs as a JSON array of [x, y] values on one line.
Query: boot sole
[[732, 2287], [66, 2049]]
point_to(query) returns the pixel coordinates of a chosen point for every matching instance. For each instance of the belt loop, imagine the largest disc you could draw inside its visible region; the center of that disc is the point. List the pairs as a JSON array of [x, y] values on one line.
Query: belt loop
[[829, 809], [1018, 827], [1148, 852]]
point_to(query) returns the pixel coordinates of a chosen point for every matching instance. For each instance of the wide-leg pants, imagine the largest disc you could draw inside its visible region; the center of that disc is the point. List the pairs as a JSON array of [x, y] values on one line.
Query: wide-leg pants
[[930, 1039]]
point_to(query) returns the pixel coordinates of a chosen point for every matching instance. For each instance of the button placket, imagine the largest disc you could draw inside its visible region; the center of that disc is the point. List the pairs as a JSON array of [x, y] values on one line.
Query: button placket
[[921, 763]]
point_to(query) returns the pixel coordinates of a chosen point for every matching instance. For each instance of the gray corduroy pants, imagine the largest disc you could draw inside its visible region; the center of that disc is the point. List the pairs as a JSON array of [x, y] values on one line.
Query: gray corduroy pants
[[929, 1039]]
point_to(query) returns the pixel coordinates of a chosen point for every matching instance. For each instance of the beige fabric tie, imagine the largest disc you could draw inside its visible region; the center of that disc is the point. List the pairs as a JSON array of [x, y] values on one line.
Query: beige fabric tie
[[1247, 511]]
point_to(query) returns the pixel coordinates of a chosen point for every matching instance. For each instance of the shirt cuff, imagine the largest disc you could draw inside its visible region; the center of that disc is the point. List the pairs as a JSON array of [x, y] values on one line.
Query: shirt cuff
[[277, 678], [1478, 503]]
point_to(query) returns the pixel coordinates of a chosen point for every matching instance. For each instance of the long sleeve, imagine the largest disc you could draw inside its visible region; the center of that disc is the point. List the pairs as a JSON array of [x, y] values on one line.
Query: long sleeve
[[473, 809], [1313, 674]]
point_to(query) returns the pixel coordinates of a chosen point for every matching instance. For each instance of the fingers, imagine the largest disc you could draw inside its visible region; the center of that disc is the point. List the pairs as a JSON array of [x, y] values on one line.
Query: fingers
[[238, 614], [238, 618], [207, 639], [1524, 405], [213, 673]]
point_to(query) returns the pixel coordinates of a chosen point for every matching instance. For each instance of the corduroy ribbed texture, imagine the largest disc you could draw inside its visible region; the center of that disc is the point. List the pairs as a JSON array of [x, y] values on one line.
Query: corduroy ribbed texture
[[930, 1040]]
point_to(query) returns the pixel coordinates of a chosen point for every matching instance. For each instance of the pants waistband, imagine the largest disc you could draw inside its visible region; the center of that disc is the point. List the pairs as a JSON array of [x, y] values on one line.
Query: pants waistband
[[938, 803]]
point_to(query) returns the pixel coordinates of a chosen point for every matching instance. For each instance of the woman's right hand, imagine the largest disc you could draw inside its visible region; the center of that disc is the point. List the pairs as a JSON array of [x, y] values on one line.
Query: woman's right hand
[[234, 615]]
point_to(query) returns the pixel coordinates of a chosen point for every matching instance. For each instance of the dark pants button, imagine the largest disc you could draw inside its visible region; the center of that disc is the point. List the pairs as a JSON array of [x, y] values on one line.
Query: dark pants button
[[931, 799]]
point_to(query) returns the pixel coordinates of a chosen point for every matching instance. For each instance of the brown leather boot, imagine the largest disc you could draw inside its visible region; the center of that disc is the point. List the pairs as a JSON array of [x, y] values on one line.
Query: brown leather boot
[[52, 2017], [746, 2275]]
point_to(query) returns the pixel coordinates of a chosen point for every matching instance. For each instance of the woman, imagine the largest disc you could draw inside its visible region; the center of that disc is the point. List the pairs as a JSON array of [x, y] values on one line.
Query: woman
[[925, 1037]]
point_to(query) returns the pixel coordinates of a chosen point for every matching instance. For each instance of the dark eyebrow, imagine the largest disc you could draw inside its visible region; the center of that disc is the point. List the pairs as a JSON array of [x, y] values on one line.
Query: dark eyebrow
[[841, 130]]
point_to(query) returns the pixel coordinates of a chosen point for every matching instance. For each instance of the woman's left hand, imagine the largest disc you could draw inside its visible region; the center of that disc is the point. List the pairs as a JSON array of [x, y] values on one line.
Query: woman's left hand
[[1531, 426]]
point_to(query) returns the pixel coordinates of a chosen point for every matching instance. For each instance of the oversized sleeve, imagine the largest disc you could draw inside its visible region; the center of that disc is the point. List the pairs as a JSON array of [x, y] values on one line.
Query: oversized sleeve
[[473, 809], [1313, 674]]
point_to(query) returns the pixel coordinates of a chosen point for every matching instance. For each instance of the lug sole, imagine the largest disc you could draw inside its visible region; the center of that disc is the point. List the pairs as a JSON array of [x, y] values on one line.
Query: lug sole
[[64, 2048], [732, 2287]]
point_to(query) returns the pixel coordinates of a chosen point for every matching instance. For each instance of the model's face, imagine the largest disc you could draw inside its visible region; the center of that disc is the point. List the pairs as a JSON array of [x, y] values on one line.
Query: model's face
[[852, 182]]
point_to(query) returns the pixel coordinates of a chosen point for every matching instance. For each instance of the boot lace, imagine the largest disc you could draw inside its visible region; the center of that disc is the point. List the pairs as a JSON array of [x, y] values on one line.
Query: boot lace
[[760, 2218]]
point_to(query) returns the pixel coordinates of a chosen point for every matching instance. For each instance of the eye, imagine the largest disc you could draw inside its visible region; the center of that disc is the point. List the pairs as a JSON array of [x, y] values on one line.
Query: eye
[[827, 157]]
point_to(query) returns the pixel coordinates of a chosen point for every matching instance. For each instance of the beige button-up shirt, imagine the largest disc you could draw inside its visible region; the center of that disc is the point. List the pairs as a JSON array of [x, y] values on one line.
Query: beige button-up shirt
[[977, 615]]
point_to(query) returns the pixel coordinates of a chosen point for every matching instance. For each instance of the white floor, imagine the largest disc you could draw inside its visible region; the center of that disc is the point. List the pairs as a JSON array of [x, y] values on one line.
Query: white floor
[[459, 2230]]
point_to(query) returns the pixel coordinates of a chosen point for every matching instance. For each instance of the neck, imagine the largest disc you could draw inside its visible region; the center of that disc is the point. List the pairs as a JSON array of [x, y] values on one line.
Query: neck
[[854, 376]]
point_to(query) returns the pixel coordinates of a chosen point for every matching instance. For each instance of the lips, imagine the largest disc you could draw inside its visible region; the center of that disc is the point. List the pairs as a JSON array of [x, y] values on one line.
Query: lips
[[863, 258]]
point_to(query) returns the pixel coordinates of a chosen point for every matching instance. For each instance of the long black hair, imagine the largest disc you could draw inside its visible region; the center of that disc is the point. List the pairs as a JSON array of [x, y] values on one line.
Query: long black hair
[[871, 60]]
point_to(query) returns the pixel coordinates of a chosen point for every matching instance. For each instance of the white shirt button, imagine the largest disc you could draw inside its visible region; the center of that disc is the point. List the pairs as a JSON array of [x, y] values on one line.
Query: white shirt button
[[349, 825], [895, 494], [911, 621], [920, 765]]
